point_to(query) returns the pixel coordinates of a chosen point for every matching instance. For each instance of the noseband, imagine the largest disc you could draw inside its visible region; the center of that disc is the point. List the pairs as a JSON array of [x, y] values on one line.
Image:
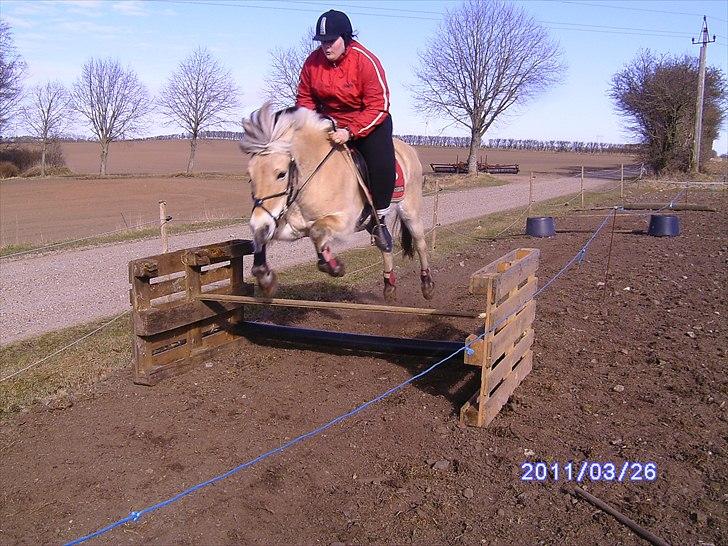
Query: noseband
[[292, 191]]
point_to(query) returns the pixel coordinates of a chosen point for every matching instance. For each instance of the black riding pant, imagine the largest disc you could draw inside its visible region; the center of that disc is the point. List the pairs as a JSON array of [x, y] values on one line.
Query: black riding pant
[[378, 151]]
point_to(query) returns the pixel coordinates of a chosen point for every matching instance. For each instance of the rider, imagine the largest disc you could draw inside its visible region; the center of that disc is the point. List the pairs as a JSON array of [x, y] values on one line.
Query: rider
[[345, 81]]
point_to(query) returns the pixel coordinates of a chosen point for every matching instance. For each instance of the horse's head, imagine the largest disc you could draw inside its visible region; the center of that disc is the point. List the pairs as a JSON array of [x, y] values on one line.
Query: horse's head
[[269, 137]]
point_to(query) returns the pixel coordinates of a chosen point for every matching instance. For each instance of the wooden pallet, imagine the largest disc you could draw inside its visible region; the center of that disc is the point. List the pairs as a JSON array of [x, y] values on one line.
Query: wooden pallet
[[173, 331], [504, 352]]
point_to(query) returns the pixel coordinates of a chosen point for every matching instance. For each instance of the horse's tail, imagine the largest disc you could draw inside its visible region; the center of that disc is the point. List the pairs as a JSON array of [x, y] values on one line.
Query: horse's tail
[[408, 248]]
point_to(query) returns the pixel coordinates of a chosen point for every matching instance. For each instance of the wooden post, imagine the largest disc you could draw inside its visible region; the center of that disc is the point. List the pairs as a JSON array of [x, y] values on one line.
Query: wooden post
[[193, 285], [582, 186], [621, 183], [530, 193], [434, 212], [163, 226], [642, 169]]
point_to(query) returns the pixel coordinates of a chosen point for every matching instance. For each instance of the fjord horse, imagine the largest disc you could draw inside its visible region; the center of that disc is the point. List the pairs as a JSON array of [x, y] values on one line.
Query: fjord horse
[[305, 186]]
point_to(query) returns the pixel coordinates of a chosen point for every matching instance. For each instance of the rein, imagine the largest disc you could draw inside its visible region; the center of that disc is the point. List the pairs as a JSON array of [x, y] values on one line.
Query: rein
[[292, 190]]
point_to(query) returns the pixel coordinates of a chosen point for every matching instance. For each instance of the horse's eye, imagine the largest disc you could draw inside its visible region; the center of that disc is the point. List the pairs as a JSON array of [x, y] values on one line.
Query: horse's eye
[[281, 176]]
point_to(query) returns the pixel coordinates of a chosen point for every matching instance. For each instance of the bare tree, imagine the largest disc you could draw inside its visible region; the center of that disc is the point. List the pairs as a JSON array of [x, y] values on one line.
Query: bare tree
[[657, 96], [200, 94], [281, 85], [486, 56], [46, 113], [113, 101], [12, 71]]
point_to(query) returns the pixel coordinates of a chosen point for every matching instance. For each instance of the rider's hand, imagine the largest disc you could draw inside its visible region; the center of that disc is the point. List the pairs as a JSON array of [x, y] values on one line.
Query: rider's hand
[[340, 136]]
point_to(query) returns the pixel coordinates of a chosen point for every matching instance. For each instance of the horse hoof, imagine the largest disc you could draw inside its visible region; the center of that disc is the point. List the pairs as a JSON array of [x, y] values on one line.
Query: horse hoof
[[390, 292], [428, 287], [268, 284], [335, 267]]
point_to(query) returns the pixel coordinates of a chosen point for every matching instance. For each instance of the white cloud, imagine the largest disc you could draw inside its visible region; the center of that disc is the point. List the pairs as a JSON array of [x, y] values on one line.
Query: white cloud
[[88, 8], [18, 22], [84, 4], [130, 7], [86, 27]]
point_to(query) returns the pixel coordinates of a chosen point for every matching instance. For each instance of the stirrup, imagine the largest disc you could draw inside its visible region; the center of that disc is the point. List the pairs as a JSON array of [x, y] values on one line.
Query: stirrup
[[381, 237]]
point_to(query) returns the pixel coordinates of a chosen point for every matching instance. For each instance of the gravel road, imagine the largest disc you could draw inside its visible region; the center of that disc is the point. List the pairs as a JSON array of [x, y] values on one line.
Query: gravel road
[[47, 292]]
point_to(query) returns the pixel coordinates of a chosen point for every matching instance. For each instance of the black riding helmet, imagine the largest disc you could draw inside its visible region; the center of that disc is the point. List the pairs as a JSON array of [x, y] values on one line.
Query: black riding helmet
[[331, 25]]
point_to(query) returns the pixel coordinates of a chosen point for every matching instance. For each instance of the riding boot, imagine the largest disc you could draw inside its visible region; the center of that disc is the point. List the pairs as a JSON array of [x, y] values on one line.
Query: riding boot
[[381, 236]]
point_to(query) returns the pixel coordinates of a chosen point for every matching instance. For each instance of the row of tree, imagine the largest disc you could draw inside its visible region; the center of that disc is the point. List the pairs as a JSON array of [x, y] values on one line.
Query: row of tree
[[524, 144], [113, 102], [461, 142], [486, 57]]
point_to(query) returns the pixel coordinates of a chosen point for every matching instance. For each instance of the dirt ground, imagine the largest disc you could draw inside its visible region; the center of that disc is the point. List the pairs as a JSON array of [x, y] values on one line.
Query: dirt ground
[[58, 208], [635, 372]]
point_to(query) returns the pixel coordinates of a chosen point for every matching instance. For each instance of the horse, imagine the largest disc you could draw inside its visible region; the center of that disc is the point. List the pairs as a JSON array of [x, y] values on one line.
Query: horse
[[304, 186]]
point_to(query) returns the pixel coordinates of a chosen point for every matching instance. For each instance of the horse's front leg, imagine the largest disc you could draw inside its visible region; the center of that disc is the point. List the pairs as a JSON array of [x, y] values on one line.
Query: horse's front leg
[[321, 233], [267, 278]]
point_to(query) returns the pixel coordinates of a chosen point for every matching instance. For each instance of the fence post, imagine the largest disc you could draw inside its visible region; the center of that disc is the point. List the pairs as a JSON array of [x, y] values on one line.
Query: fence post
[[163, 226], [582, 186], [434, 212], [642, 170], [530, 193], [621, 183]]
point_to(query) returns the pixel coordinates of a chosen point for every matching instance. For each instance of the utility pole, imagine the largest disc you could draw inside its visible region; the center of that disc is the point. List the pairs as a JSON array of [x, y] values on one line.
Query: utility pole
[[704, 40]]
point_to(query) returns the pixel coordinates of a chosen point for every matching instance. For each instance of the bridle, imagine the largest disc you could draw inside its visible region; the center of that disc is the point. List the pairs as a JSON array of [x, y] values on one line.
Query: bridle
[[292, 191]]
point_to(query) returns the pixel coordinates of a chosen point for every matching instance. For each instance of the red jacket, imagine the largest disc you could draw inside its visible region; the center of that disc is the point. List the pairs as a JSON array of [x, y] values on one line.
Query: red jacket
[[353, 90]]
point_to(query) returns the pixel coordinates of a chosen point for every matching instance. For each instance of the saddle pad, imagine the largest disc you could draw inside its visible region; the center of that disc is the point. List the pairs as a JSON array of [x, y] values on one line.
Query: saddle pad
[[399, 183]]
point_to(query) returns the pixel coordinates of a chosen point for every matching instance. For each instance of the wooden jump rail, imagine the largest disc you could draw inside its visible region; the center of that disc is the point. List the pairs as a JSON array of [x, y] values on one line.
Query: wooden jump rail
[[314, 304], [189, 305]]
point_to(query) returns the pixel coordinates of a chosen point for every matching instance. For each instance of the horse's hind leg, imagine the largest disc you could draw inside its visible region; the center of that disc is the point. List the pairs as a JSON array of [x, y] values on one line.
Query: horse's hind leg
[[267, 278], [414, 225], [390, 280], [321, 233]]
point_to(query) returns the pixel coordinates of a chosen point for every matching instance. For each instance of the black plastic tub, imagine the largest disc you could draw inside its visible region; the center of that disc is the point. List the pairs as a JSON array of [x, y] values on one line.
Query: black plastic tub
[[541, 226], [664, 225]]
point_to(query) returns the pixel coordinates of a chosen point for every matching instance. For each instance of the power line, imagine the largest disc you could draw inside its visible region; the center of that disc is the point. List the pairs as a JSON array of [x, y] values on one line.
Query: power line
[[637, 9], [582, 27], [398, 10], [282, 8], [652, 31]]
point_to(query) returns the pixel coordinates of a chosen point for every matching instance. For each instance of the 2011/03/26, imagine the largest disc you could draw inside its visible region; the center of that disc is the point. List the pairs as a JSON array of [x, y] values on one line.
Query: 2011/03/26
[[589, 470]]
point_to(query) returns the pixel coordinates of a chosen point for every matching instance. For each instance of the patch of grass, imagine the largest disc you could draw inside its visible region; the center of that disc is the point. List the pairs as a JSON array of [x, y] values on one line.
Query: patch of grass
[[121, 236], [212, 175], [461, 181], [51, 170], [56, 381]]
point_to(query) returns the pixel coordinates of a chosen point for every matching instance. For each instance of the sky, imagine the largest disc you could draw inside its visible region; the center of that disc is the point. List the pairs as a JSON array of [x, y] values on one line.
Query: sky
[[597, 38]]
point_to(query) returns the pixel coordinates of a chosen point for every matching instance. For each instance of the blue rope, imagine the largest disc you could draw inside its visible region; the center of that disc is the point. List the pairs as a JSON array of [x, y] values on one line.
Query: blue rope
[[135, 516], [578, 256]]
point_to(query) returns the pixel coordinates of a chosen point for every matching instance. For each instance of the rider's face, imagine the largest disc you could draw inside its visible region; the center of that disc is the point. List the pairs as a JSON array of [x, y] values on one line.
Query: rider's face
[[334, 49]]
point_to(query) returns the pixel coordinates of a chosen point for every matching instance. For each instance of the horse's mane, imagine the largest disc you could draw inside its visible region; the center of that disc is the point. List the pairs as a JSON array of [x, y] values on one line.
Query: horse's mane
[[268, 131]]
